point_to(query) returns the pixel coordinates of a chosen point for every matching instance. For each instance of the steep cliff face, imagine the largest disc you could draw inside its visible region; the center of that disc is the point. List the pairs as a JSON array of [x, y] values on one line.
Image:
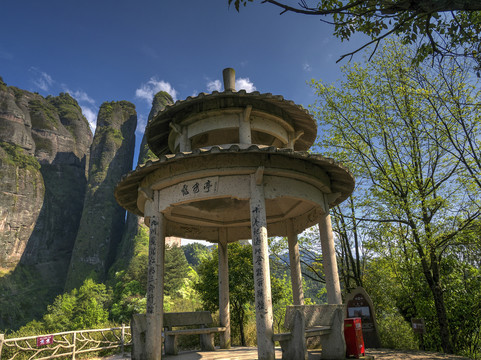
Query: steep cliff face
[[134, 222], [45, 144], [62, 138], [44, 147], [21, 199], [102, 220], [15, 124]]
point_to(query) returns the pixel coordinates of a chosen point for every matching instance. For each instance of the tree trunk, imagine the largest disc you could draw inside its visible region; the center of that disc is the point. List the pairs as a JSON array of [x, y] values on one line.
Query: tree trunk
[[442, 319], [438, 295], [241, 328]]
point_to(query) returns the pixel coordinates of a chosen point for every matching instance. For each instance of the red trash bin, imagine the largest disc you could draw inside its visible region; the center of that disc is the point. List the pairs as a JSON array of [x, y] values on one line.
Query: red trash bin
[[353, 336]]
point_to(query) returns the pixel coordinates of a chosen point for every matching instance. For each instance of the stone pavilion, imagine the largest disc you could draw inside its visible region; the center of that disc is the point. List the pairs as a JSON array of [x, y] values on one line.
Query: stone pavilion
[[232, 166]]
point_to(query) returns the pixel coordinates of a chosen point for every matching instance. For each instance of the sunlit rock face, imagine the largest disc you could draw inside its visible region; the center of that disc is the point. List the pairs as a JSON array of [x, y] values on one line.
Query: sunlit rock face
[[44, 150], [103, 219]]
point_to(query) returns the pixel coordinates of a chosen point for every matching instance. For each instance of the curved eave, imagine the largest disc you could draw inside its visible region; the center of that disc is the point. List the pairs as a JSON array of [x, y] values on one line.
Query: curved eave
[[126, 191], [158, 129]]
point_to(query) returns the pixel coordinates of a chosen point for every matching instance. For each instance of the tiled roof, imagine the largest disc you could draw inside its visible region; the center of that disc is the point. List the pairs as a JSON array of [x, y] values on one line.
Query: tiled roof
[[341, 179], [158, 129]]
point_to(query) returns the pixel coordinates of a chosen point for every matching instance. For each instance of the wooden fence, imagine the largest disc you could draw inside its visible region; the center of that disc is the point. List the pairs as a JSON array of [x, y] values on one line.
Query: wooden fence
[[65, 344]]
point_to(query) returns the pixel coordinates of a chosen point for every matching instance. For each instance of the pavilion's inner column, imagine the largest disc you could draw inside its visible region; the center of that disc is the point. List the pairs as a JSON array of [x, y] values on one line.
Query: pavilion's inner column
[[295, 265], [224, 311], [262, 280], [329, 259], [155, 284]]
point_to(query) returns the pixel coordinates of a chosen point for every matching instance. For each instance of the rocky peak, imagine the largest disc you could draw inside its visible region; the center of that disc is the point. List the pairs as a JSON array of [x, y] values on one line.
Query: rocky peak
[[102, 219]]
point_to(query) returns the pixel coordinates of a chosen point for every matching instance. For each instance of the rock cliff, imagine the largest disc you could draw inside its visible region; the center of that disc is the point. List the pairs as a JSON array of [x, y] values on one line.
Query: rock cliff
[[45, 146], [44, 150], [134, 222], [103, 220]]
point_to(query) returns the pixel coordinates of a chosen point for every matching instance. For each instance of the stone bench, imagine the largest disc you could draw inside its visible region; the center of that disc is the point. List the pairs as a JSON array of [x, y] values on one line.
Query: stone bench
[[306, 321], [200, 319]]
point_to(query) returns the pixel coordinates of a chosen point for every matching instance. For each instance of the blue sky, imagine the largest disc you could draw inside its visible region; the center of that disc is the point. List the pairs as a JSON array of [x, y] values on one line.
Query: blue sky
[[111, 50]]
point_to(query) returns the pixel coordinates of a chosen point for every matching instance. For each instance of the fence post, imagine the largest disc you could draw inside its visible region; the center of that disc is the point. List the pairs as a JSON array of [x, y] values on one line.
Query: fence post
[[122, 339], [74, 341], [2, 338]]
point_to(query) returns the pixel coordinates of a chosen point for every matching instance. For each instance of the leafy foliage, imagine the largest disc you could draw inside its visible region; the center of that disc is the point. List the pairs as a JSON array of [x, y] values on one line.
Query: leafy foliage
[[417, 203], [17, 156], [241, 286], [195, 252], [83, 308], [130, 285], [443, 28]]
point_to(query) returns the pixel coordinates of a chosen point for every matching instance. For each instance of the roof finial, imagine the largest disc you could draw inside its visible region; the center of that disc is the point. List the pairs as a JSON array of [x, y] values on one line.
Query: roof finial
[[229, 79]]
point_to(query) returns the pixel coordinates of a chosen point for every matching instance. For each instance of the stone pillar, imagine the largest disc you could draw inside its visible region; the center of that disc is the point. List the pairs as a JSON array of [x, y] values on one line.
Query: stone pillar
[[262, 281], [2, 339], [228, 75], [185, 145], [224, 311], [245, 136], [155, 288], [295, 264], [329, 259]]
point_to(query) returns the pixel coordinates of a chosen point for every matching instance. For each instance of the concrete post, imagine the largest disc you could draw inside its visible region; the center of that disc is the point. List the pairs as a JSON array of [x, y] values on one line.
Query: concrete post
[[245, 136], [262, 281], [185, 145], [224, 312], [329, 260], [155, 288], [228, 75], [2, 339], [295, 265]]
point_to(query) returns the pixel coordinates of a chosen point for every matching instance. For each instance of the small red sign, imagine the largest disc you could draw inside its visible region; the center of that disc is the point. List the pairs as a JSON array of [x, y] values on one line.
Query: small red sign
[[44, 340]]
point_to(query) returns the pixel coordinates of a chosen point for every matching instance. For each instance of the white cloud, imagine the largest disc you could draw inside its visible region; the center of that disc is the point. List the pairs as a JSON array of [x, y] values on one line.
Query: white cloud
[[152, 87], [306, 67], [81, 96], [240, 84], [86, 103], [141, 123], [214, 86], [43, 80], [91, 116], [244, 83]]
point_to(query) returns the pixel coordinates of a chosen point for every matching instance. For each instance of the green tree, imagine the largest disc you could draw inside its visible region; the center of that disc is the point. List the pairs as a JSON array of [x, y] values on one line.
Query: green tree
[[444, 28], [194, 253], [83, 308], [241, 285], [379, 121], [130, 285], [176, 270], [311, 262]]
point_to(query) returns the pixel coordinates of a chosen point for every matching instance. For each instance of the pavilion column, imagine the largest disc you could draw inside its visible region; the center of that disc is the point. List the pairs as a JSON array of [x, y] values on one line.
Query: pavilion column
[[329, 259], [155, 287], [295, 264], [245, 136], [262, 281], [224, 311], [185, 144]]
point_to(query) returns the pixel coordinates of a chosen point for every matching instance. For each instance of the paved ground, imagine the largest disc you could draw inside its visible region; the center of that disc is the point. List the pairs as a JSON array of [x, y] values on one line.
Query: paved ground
[[251, 354], [387, 354]]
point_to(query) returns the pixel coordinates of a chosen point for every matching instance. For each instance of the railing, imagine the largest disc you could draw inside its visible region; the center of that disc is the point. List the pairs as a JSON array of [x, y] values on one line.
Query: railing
[[64, 344]]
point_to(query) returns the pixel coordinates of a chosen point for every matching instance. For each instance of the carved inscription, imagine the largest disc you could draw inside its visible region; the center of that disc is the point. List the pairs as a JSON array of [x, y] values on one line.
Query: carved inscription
[[194, 188], [258, 258], [151, 272]]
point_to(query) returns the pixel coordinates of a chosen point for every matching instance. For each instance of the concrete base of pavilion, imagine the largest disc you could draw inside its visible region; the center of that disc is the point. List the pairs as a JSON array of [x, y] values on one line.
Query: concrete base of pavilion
[[238, 353]]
